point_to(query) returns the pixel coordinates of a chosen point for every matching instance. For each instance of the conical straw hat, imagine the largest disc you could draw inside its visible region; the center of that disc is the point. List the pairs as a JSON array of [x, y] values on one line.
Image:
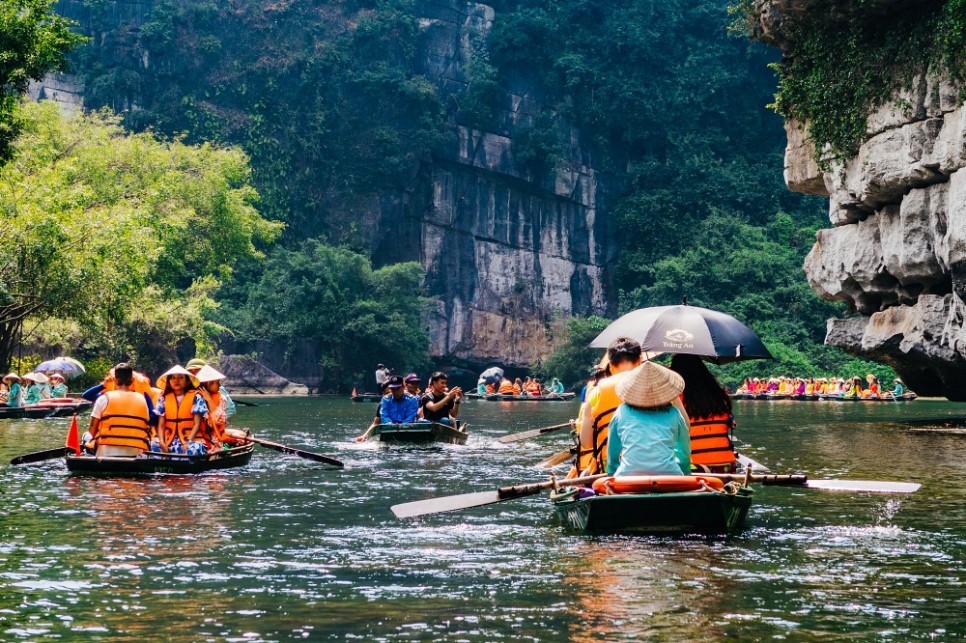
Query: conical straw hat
[[208, 374], [11, 376], [163, 380], [649, 385], [40, 378]]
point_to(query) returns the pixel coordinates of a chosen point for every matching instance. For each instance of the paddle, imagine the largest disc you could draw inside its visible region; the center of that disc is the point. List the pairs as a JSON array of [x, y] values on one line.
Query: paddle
[[747, 462], [480, 498], [532, 433], [801, 480], [40, 456], [556, 458], [308, 455]]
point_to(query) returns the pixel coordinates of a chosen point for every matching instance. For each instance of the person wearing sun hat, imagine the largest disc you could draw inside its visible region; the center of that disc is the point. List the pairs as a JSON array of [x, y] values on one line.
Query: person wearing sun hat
[[14, 391], [58, 385], [194, 366], [35, 390], [180, 410], [216, 421], [648, 435]]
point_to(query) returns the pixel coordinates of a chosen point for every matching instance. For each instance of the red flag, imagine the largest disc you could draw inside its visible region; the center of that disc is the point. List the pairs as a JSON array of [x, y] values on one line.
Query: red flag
[[73, 437], [353, 391]]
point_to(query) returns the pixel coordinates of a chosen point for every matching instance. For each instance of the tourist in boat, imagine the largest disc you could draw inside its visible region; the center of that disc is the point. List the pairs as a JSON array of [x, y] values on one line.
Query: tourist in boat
[[14, 390], [439, 404], [648, 435], [216, 421], [121, 419], [194, 366], [399, 407], [708, 406], [623, 355], [506, 387], [181, 410], [58, 385], [556, 386], [872, 390], [535, 388], [517, 387], [412, 383], [481, 387], [899, 390], [34, 389], [382, 376]]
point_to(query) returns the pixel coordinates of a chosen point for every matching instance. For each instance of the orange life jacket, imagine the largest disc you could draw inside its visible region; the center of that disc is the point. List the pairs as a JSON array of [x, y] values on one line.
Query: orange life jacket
[[214, 424], [506, 388], [711, 440], [125, 421], [178, 418], [604, 402]]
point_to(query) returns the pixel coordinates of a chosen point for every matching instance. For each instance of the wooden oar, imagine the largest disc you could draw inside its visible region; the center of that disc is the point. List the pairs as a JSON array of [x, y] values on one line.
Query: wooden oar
[[480, 498], [532, 433], [556, 458], [747, 463], [40, 456], [801, 480], [308, 455]]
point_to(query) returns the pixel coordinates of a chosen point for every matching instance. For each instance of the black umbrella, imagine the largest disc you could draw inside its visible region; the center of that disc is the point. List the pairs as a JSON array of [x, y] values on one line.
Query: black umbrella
[[689, 330]]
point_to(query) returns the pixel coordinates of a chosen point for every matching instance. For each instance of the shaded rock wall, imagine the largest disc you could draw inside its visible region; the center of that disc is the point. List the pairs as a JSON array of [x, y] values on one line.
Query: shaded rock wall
[[896, 253]]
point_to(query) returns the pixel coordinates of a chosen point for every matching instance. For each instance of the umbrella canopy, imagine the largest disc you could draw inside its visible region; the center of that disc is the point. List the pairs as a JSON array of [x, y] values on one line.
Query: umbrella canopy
[[492, 374], [689, 330], [68, 366]]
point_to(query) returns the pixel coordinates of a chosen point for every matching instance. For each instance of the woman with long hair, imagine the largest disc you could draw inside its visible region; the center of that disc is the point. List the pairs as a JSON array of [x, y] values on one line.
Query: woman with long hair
[[709, 407]]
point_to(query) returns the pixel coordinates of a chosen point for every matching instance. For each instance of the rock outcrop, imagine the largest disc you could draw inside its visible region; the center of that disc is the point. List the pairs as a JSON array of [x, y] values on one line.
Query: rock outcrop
[[897, 252], [248, 377]]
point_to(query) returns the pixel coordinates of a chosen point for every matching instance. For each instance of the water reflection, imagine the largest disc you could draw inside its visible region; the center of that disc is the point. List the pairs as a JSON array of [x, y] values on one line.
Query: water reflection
[[287, 549]]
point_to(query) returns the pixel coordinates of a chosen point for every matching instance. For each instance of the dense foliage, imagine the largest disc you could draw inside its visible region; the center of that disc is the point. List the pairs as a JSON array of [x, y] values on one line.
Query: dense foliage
[[837, 71], [118, 238], [33, 41], [351, 315], [334, 107]]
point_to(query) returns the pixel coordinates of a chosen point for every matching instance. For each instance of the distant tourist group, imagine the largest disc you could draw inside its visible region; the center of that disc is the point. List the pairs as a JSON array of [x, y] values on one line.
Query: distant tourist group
[[854, 387], [33, 388], [526, 386]]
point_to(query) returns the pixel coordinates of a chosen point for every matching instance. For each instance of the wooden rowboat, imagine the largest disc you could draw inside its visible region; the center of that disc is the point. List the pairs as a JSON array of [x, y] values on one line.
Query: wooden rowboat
[[367, 397], [44, 410], [158, 463], [420, 432], [699, 512], [905, 397], [550, 397]]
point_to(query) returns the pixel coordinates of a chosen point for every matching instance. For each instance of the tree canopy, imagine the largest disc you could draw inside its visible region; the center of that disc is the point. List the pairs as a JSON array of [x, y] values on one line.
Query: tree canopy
[[124, 234], [33, 41]]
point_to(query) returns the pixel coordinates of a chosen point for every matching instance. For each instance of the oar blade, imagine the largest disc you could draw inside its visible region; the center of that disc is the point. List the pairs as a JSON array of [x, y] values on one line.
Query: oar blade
[[308, 455], [446, 503], [554, 460], [40, 456], [864, 486]]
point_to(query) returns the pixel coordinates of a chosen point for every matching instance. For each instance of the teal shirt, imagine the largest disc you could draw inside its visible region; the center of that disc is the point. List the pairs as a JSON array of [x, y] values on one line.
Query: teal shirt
[[13, 396], [33, 394], [648, 443], [58, 390]]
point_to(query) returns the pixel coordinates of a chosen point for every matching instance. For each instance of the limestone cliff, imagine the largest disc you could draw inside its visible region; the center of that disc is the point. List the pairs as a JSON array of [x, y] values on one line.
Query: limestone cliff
[[508, 253], [896, 253]]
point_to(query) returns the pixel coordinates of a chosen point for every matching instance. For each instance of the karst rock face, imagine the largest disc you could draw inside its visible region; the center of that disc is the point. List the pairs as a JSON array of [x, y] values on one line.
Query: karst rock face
[[509, 254], [896, 251]]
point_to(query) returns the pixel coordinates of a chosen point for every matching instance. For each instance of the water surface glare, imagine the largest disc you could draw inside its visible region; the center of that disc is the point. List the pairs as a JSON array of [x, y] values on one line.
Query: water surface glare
[[286, 549]]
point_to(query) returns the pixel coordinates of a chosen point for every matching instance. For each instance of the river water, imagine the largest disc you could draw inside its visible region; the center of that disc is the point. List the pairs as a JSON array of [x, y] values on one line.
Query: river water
[[286, 549]]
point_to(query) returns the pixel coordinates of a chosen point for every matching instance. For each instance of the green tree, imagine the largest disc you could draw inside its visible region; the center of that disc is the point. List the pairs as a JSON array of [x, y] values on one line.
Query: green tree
[[571, 363], [124, 234], [353, 315], [33, 41]]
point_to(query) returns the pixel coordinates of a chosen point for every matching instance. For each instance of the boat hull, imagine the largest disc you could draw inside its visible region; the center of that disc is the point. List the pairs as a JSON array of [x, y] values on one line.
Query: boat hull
[[367, 397], [40, 411], [160, 463], [556, 397], [420, 433], [657, 513]]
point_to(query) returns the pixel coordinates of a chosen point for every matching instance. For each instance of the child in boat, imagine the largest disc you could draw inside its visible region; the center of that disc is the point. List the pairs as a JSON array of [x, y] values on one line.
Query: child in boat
[[216, 422], [647, 434]]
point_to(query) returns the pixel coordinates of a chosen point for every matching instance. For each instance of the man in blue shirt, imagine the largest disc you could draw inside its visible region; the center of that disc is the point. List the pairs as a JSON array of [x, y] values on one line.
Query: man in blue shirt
[[399, 407]]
